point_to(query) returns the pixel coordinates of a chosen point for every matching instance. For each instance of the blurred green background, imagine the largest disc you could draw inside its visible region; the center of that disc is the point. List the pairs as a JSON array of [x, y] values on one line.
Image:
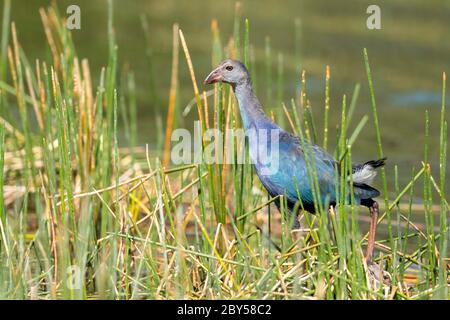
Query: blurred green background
[[408, 56]]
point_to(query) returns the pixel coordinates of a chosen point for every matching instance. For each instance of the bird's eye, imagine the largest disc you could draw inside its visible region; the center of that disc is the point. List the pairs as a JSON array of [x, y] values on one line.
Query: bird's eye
[[229, 68]]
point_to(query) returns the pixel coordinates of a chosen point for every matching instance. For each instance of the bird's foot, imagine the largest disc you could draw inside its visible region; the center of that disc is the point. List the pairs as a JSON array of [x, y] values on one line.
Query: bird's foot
[[377, 275], [302, 232], [298, 229]]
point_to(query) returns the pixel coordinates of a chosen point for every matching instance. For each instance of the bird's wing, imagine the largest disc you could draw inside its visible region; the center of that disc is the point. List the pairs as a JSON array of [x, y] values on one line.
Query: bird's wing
[[293, 176], [319, 156]]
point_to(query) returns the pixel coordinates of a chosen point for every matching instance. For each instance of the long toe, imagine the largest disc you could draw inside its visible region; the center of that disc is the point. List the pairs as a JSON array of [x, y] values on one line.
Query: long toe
[[377, 275]]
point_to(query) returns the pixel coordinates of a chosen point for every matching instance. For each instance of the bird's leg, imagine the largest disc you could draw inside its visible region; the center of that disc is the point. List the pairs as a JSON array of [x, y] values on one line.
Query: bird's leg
[[296, 231], [332, 209], [372, 230], [375, 271]]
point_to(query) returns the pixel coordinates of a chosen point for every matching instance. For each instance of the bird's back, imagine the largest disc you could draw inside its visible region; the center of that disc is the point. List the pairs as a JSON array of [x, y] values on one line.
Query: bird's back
[[301, 165]]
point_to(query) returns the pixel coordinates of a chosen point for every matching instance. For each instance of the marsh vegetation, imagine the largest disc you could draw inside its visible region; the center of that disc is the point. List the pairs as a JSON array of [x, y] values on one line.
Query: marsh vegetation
[[88, 212]]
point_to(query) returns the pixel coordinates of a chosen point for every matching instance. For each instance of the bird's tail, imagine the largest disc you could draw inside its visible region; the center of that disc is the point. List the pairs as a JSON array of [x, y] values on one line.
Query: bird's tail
[[376, 163], [365, 173]]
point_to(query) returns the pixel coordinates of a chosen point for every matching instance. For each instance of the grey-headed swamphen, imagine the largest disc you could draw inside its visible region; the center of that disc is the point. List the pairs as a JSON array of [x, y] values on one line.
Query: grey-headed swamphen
[[282, 167]]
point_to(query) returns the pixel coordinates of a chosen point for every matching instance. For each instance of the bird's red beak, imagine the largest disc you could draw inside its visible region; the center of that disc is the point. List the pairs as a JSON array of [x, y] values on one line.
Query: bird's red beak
[[214, 77]]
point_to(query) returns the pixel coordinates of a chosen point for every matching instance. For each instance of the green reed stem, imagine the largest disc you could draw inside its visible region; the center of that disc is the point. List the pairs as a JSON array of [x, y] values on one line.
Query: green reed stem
[[443, 224], [379, 144], [327, 108], [268, 63]]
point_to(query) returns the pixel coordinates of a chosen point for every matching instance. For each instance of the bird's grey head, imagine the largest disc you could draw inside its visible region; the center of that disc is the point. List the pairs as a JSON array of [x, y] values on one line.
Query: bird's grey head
[[229, 71]]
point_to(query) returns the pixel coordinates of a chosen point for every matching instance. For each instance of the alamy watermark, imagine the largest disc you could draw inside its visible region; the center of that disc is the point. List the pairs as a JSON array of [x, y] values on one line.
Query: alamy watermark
[[74, 279], [210, 147], [374, 19], [73, 17]]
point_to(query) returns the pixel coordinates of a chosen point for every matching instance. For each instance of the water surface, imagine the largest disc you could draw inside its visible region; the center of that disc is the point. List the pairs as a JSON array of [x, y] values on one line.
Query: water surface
[[408, 56]]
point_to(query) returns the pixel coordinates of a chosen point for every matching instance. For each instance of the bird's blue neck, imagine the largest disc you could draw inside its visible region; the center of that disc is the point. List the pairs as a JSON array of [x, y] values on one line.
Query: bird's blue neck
[[261, 131], [251, 110]]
